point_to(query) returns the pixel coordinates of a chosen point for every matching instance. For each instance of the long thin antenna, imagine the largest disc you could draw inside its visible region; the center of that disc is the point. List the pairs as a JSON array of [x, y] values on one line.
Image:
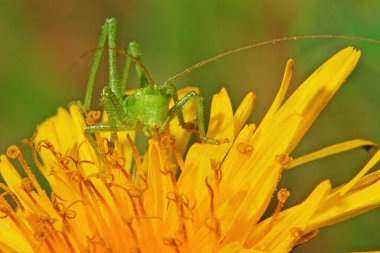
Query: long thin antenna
[[135, 61], [274, 41], [119, 51]]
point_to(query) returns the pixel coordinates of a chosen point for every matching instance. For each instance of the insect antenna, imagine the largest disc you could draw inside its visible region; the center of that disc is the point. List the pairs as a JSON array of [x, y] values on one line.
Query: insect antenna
[[81, 58], [119, 51], [268, 42], [137, 62]]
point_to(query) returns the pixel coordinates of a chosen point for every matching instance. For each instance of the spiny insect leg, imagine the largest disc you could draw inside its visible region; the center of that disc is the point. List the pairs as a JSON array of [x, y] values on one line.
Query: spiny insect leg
[[178, 107], [108, 32], [94, 67], [172, 91], [100, 127], [113, 73], [115, 115], [114, 110]]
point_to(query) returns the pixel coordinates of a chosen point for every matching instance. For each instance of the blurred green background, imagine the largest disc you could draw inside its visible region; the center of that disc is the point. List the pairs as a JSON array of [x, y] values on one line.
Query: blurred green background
[[41, 41]]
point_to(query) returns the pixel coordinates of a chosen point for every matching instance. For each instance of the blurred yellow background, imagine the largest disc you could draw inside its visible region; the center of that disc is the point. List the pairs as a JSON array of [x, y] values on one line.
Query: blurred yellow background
[[41, 69]]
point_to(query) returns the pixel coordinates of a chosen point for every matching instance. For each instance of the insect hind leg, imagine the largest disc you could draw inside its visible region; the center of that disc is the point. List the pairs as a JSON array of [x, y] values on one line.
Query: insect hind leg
[[108, 33]]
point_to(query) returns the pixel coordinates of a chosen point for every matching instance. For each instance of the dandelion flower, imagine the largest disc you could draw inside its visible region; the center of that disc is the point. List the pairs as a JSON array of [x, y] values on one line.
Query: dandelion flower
[[210, 200]]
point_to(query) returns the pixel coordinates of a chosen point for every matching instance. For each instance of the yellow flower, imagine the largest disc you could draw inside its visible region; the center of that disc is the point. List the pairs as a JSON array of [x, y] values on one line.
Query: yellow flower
[[211, 201]]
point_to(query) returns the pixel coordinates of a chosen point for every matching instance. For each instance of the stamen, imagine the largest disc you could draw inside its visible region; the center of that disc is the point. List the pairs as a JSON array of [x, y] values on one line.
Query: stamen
[[62, 161], [49, 245], [301, 238], [105, 146], [14, 152], [137, 193], [140, 196], [27, 185], [76, 177], [55, 196], [213, 223], [181, 202], [172, 177], [134, 206], [5, 208], [296, 233], [108, 179], [172, 242], [217, 167], [136, 156], [92, 189], [282, 195], [49, 146], [92, 242], [168, 142], [68, 243], [284, 159], [77, 162], [129, 222], [92, 117], [244, 148], [133, 232], [66, 213], [34, 153], [7, 191]]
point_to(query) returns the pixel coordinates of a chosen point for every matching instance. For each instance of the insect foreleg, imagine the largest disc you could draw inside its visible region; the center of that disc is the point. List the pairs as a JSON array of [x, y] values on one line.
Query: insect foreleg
[[171, 90], [178, 107]]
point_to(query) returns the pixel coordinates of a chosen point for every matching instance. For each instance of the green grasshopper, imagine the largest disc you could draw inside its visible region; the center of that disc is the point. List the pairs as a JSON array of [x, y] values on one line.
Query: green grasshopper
[[148, 107]]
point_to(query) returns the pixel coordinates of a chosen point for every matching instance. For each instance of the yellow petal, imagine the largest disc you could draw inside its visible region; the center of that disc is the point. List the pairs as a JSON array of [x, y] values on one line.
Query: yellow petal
[[221, 126], [11, 240], [338, 207], [372, 162], [313, 95], [281, 237], [259, 175], [331, 150], [267, 120], [243, 112], [221, 119]]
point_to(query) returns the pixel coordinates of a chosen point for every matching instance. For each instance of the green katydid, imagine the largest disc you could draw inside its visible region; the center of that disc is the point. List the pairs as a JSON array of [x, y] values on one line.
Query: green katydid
[[148, 107]]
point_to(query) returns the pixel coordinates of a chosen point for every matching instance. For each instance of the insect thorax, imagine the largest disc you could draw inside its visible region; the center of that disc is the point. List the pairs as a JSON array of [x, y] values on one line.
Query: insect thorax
[[149, 107]]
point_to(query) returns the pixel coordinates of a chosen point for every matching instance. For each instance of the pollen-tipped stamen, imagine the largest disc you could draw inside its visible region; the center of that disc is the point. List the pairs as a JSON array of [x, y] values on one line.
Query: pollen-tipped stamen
[[282, 196], [14, 152]]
